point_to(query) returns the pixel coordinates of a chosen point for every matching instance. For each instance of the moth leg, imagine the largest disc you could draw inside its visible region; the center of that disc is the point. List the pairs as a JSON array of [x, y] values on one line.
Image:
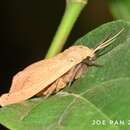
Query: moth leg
[[49, 91], [72, 73], [81, 71], [61, 84], [91, 63], [55, 87], [75, 73], [69, 77]]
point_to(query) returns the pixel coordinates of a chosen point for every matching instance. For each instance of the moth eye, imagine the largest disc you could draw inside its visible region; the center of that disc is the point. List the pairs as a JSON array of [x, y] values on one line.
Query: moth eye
[[88, 57]]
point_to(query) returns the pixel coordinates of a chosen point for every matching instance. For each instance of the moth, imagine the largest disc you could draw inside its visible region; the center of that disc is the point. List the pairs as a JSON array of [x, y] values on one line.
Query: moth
[[49, 76]]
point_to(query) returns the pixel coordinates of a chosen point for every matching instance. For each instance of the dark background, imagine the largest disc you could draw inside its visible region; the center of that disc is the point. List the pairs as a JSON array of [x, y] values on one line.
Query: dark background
[[28, 26]]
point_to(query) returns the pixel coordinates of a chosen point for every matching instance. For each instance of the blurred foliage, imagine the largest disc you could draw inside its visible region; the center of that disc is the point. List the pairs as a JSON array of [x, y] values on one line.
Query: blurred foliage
[[120, 9]]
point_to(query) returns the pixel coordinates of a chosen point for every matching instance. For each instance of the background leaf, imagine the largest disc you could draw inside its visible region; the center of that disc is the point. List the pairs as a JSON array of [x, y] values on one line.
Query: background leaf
[[101, 94], [120, 9]]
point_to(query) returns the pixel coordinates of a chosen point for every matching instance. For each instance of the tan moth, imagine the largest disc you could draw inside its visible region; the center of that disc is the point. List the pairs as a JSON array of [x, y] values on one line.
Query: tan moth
[[49, 76]]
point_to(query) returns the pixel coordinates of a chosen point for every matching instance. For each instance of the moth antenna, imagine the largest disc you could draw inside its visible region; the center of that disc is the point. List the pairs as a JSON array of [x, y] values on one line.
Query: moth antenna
[[107, 42]]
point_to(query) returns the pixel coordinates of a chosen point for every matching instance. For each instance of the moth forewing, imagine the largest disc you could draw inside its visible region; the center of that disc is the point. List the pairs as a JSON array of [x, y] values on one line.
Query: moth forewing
[[41, 74]]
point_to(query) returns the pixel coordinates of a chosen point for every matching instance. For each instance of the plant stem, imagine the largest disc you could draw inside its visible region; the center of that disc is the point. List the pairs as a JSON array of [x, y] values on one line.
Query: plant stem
[[72, 11]]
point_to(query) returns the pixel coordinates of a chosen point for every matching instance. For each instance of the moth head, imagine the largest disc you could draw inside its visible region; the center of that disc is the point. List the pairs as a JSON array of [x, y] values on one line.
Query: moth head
[[92, 57]]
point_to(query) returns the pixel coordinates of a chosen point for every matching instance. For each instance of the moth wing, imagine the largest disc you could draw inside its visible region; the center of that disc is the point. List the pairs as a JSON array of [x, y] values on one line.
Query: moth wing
[[39, 75]]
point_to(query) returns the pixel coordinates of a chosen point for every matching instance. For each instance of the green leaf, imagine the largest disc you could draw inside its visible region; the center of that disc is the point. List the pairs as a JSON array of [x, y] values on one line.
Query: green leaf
[[120, 9], [101, 94]]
